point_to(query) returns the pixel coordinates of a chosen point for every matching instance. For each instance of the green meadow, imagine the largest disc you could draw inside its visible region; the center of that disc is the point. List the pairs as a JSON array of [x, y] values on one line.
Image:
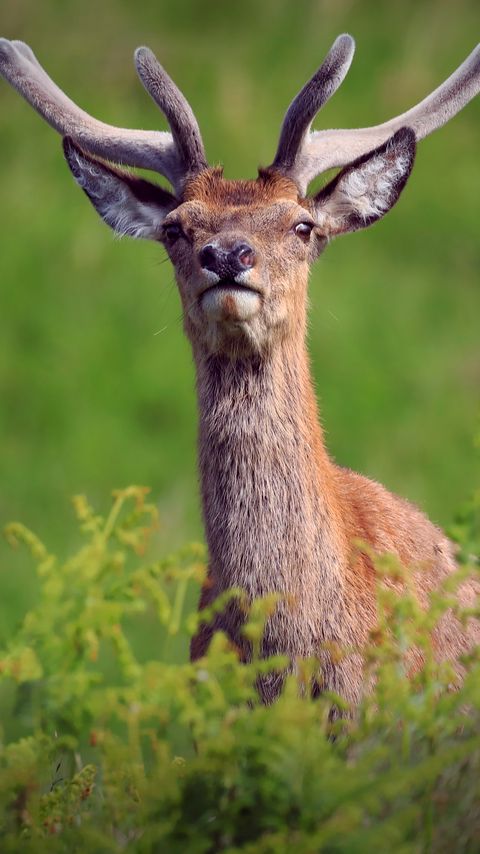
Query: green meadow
[[96, 378]]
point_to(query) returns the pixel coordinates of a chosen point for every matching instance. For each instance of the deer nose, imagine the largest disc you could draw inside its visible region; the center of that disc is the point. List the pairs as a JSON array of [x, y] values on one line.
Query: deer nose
[[227, 263]]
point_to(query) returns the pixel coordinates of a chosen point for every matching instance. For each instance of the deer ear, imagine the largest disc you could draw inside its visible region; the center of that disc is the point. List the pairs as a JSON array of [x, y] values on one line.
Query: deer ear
[[129, 205], [366, 190]]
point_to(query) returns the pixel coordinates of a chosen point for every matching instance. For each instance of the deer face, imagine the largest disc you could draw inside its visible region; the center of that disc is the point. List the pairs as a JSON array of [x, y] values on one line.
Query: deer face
[[242, 249], [241, 252]]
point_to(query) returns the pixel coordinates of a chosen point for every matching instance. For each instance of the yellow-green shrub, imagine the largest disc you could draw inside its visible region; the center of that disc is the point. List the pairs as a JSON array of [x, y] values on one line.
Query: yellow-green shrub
[[103, 751]]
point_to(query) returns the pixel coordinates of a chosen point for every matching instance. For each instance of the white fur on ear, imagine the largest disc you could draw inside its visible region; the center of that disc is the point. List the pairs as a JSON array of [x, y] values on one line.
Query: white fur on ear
[[366, 190], [129, 205]]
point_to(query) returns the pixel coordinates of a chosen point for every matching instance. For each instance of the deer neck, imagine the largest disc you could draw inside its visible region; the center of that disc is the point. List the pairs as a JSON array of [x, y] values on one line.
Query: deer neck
[[267, 482]]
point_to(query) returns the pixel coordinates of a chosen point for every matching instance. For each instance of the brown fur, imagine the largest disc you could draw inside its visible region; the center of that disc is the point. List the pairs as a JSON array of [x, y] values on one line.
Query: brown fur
[[280, 516], [213, 189]]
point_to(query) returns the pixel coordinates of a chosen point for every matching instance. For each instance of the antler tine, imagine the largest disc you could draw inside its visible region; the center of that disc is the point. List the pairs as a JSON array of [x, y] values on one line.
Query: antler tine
[[146, 149], [326, 149], [27, 52], [310, 99], [174, 105]]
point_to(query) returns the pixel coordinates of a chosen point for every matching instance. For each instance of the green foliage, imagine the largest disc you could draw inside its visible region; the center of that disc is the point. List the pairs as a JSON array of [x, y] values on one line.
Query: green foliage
[[106, 750]]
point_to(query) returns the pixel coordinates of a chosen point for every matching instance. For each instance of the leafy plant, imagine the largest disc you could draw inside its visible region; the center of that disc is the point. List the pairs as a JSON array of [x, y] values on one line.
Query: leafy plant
[[103, 751]]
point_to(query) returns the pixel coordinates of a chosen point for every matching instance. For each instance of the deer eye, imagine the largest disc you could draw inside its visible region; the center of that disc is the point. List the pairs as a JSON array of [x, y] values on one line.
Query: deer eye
[[303, 230], [172, 231]]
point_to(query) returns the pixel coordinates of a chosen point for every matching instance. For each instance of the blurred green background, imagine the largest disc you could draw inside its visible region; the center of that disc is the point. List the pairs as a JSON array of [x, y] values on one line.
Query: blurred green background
[[96, 378]]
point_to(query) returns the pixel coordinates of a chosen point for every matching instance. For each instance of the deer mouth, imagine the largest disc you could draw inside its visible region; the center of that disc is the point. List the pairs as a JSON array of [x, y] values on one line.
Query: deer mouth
[[229, 285], [230, 301]]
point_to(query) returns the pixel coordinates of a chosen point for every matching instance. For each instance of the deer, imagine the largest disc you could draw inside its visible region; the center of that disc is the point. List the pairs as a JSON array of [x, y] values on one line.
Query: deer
[[281, 517]]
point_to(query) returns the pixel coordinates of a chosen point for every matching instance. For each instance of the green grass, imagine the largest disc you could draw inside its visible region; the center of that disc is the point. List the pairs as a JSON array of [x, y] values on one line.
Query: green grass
[[96, 379]]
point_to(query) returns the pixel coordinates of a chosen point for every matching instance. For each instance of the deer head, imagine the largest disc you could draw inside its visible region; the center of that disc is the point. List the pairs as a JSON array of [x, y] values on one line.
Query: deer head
[[241, 249]]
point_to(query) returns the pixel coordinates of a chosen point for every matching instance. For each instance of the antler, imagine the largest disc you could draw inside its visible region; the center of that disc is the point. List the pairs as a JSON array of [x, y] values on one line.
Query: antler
[[173, 155], [185, 130], [305, 106], [302, 155]]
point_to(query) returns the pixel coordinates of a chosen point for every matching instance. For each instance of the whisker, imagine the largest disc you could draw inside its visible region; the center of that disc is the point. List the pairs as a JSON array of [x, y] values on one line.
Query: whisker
[[166, 294]]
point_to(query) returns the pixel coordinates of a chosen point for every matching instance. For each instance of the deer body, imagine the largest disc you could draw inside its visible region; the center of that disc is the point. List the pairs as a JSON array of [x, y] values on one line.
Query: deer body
[[280, 516]]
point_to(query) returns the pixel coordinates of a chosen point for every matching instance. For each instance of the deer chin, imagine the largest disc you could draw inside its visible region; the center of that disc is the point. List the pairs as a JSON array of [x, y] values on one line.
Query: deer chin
[[230, 303]]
